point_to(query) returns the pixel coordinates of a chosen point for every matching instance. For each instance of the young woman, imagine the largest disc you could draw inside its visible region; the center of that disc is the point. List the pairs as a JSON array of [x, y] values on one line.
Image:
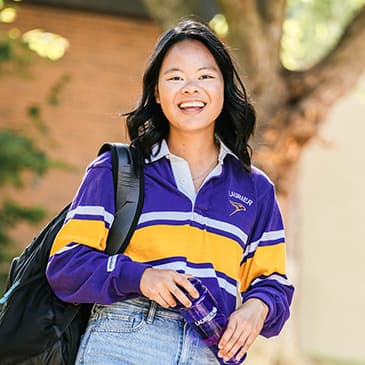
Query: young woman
[[207, 213]]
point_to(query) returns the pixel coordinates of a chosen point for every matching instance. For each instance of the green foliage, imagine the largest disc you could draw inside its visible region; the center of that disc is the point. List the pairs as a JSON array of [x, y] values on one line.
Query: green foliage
[[11, 214], [54, 95], [21, 159], [18, 50], [312, 28], [18, 153]]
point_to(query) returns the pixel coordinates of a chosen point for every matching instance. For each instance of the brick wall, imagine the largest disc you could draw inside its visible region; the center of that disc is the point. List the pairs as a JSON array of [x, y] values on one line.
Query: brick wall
[[105, 62]]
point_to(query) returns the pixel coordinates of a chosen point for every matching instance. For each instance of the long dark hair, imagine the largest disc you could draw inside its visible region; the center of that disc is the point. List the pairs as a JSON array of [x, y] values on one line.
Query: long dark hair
[[147, 125]]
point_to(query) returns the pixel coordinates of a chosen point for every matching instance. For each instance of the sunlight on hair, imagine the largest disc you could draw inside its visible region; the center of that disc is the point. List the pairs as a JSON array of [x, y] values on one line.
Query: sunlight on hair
[[46, 44], [219, 24], [7, 15]]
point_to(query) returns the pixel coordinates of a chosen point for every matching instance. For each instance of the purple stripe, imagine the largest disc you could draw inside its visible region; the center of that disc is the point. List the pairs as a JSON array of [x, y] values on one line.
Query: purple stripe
[[272, 242], [182, 259], [249, 256], [267, 277], [162, 222], [219, 232]]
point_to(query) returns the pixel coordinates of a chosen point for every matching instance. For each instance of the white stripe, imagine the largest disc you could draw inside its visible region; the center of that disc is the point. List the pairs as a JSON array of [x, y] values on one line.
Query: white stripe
[[112, 261], [194, 217], [91, 210], [273, 235], [274, 277], [267, 236], [65, 248], [176, 216], [199, 272]]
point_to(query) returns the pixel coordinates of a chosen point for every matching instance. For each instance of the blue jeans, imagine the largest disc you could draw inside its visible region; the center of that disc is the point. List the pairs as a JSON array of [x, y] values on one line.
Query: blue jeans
[[140, 332]]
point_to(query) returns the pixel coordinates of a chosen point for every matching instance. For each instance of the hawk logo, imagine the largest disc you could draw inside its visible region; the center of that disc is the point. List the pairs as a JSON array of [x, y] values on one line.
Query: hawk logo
[[238, 207]]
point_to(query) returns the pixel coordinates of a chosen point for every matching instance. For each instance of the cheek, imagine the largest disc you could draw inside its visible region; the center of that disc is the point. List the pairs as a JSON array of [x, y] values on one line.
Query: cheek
[[219, 96], [164, 94]]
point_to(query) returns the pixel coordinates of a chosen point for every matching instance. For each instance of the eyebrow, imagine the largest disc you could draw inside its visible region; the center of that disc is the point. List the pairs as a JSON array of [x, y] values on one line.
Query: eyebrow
[[174, 69]]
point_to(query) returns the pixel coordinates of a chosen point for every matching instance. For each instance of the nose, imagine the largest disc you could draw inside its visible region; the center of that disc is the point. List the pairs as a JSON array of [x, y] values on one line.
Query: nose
[[190, 88]]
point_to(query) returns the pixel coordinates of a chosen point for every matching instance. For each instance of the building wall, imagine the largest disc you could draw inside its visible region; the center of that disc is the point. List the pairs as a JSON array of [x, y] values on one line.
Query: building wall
[[331, 200], [105, 62]]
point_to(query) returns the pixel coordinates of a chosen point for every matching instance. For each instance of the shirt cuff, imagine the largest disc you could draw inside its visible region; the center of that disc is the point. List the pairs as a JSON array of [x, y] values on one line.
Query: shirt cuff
[[131, 274]]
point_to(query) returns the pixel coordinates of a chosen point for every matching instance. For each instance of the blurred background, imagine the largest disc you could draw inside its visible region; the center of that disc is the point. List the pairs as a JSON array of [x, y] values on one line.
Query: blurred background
[[68, 68]]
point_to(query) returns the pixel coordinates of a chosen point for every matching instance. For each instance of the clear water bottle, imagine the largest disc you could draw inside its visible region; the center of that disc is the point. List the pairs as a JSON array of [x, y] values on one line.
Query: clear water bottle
[[206, 318]]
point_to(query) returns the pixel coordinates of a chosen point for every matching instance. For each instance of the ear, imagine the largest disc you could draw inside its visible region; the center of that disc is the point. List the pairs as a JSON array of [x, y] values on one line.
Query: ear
[[157, 95]]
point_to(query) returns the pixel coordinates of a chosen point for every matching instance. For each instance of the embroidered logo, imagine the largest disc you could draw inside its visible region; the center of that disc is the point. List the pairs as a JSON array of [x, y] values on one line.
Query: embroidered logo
[[238, 207]]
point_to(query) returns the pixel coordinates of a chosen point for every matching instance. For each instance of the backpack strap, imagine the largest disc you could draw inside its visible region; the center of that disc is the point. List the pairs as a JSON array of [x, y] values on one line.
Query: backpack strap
[[127, 165]]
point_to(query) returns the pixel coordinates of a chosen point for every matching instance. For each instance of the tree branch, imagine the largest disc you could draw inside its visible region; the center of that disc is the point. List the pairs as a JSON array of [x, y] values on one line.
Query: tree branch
[[340, 69], [312, 93], [272, 14], [247, 39], [248, 36], [168, 12]]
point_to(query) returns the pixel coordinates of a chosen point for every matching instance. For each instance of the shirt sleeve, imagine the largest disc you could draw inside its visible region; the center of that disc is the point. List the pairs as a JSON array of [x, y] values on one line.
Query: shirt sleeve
[[263, 266], [78, 270]]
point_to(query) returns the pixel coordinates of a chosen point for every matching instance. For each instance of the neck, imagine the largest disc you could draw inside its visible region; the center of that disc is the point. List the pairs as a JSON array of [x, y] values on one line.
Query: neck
[[196, 150], [200, 152]]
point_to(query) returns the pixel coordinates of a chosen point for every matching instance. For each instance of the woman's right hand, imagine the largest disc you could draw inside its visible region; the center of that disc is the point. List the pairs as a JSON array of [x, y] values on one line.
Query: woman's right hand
[[163, 287]]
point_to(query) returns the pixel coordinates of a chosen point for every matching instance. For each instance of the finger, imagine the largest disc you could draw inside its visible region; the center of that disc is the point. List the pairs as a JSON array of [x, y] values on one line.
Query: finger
[[240, 354], [228, 333], [162, 301], [184, 282], [249, 341], [180, 296], [240, 348], [236, 341], [163, 297], [168, 297]]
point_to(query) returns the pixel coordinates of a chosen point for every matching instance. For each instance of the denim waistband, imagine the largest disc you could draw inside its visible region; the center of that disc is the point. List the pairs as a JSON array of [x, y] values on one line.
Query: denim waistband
[[149, 307]]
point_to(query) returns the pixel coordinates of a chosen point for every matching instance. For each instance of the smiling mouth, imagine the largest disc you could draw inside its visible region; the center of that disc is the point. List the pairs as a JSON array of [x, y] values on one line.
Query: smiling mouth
[[192, 105]]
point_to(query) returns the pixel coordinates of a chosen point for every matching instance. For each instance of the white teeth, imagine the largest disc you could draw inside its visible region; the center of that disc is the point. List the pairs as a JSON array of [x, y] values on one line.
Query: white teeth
[[192, 104]]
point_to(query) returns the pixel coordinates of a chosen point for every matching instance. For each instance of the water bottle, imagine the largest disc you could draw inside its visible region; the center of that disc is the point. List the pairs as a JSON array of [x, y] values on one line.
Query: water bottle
[[206, 318]]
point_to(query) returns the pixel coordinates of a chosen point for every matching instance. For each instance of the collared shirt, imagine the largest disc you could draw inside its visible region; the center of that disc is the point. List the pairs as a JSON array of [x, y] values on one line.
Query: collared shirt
[[181, 170], [229, 234]]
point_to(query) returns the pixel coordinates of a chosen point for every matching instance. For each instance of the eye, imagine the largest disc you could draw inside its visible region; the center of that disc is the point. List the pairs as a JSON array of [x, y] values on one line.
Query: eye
[[174, 78], [206, 76]]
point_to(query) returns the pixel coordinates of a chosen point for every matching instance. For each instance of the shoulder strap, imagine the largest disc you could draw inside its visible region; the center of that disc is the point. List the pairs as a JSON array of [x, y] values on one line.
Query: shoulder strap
[[128, 187]]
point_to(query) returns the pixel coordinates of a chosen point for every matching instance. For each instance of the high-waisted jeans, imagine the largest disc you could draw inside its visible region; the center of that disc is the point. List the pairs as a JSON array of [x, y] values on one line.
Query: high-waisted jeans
[[140, 332]]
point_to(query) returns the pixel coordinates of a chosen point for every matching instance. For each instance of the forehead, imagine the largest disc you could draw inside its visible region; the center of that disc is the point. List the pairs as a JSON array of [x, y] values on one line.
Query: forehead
[[190, 52]]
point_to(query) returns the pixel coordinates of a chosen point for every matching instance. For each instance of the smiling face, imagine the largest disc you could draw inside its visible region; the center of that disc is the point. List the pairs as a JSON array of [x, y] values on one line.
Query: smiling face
[[190, 88]]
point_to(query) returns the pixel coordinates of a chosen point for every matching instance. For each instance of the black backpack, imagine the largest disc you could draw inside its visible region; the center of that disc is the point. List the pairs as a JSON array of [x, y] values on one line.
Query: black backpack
[[36, 328]]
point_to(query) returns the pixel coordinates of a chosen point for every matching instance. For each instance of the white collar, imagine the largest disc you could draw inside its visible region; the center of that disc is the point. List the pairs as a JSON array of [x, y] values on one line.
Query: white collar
[[165, 152]]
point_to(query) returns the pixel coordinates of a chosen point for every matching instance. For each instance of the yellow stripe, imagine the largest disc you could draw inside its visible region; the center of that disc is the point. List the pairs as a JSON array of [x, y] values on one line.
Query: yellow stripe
[[87, 232], [198, 246], [267, 259]]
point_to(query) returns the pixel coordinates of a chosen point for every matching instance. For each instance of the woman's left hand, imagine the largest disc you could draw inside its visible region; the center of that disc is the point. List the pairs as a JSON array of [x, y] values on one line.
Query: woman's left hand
[[244, 325]]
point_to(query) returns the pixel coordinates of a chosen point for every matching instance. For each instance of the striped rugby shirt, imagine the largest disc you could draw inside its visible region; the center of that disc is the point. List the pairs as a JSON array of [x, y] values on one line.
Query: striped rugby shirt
[[230, 235]]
